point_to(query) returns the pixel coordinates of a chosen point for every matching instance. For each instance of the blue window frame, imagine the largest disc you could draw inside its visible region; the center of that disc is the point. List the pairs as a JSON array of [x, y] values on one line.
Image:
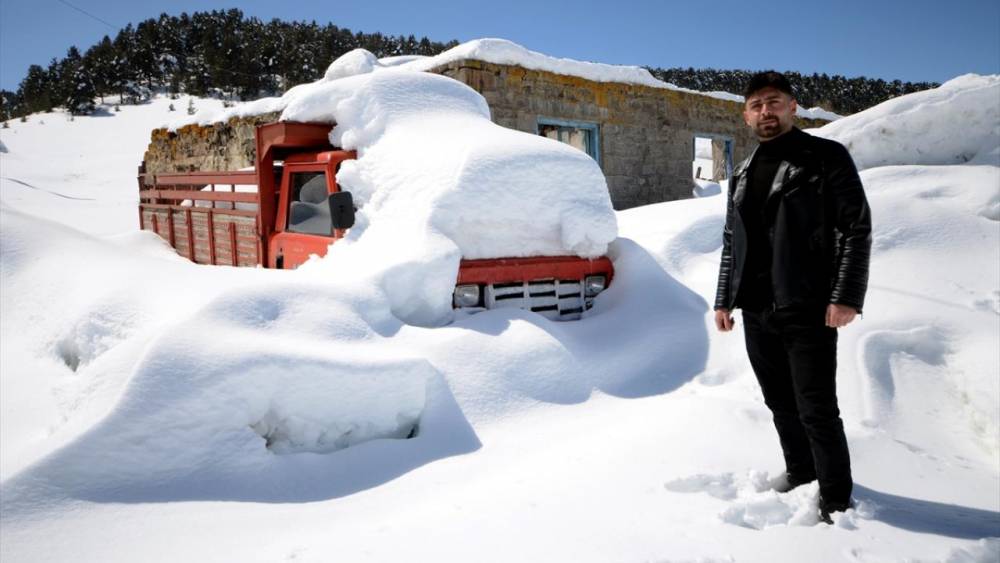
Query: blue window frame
[[580, 134]]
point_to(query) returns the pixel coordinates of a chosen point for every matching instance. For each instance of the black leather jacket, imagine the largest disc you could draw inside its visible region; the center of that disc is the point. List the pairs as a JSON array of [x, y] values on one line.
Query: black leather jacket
[[819, 225]]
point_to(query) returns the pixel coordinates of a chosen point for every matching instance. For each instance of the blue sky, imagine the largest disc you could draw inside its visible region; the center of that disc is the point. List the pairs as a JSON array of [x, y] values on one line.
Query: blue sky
[[913, 40]]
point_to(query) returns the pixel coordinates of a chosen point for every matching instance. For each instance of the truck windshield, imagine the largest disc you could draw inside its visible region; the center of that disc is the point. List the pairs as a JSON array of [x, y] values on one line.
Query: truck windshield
[[308, 211]]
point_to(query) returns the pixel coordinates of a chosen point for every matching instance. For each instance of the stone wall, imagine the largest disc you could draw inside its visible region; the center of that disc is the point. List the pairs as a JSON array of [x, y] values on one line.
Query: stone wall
[[646, 134], [221, 146]]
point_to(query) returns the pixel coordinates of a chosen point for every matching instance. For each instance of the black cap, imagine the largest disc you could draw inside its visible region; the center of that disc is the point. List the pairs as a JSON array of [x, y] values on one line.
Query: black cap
[[768, 79]]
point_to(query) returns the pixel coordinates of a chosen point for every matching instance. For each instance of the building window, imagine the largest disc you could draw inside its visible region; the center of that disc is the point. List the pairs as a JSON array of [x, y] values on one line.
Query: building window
[[579, 134]]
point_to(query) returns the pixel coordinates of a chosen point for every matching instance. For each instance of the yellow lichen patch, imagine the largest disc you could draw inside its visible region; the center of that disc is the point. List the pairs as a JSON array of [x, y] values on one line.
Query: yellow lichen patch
[[160, 134]]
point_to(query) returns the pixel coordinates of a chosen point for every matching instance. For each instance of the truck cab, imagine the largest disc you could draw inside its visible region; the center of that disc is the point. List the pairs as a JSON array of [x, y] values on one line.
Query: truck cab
[[305, 222]]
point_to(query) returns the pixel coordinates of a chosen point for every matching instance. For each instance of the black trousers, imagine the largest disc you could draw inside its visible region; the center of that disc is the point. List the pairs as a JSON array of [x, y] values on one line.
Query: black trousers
[[794, 355]]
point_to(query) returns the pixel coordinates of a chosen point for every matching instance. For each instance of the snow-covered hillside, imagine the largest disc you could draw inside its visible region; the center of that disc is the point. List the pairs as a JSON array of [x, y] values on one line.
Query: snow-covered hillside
[[156, 410]]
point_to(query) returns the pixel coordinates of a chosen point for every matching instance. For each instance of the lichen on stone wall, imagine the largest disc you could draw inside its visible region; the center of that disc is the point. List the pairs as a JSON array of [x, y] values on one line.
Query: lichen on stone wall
[[220, 146]]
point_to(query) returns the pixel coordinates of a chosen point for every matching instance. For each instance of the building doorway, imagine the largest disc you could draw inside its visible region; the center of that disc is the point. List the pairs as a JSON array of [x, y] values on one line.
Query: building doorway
[[713, 158]]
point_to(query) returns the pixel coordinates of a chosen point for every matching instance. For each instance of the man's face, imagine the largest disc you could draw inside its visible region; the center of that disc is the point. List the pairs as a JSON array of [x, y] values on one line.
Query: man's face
[[769, 112]]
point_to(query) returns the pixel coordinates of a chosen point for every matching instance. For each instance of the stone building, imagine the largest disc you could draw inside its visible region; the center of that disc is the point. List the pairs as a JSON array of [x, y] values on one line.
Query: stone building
[[642, 136], [650, 140]]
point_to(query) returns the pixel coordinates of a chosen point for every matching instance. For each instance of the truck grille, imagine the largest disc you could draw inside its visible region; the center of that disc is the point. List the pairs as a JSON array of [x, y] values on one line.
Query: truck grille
[[560, 300]]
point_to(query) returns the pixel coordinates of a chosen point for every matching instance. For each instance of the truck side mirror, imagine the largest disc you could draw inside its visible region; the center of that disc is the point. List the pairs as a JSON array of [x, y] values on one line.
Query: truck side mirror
[[341, 210]]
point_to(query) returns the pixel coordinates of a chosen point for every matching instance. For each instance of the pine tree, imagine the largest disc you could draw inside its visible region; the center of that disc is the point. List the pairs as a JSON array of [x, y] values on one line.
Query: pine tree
[[145, 56], [424, 47], [56, 86], [124, 73], [171, 52], [78, 88], [36, 90], [11, 104], [6, 103], [100, 61]]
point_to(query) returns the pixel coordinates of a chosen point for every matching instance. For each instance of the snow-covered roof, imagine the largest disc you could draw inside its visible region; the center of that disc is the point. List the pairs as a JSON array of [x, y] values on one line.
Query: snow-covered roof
[[497, 51], [502, 51]]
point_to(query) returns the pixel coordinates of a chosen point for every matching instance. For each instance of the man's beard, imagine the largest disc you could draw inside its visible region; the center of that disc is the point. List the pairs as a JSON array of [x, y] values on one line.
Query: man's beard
[[768, 129]]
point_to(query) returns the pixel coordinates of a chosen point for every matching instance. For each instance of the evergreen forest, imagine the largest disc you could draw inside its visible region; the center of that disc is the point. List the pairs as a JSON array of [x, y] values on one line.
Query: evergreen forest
[[225, 54], [220, 53], [835, 93]]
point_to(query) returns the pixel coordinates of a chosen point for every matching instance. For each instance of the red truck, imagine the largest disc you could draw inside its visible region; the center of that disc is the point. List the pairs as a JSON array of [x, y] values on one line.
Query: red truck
[[297, 209]]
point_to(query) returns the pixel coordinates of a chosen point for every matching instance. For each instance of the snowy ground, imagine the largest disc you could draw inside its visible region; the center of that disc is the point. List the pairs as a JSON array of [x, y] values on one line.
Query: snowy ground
[[139, 391]]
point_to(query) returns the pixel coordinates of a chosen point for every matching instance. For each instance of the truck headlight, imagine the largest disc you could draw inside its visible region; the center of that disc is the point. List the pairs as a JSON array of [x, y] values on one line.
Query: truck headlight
[[467, 295], [592, 285]]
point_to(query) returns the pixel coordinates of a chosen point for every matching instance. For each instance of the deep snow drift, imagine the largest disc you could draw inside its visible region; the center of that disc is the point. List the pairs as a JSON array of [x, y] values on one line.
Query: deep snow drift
[[436, 181], [146, 399], [956, 123]]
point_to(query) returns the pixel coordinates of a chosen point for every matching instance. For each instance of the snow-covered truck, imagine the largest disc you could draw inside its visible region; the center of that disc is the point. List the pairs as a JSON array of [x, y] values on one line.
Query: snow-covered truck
[[290, 207]]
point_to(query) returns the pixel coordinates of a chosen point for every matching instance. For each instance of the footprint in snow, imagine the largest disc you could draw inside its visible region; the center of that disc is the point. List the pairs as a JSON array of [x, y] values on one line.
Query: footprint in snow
[[753, 503]]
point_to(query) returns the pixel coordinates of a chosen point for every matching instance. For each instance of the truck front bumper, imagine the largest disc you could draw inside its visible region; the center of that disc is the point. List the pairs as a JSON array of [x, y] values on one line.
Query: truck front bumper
[[557, 287]]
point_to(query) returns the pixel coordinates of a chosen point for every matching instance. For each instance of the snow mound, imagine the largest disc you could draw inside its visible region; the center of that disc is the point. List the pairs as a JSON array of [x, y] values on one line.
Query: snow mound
[[253, 371], [436, 181], [310, 386], [986, 550], [358, 61], [957, 122]]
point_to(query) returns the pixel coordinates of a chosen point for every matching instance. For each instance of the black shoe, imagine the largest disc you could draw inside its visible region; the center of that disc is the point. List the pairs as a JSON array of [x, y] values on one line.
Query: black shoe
[[786, 482], [828, 507]]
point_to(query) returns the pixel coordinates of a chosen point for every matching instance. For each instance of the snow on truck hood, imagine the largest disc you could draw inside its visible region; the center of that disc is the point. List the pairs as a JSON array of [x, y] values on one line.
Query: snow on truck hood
[[436, 181], [429, 157]]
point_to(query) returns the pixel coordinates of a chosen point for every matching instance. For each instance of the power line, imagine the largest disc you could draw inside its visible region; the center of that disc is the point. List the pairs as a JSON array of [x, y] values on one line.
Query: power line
[[147, 43], [88, 14]]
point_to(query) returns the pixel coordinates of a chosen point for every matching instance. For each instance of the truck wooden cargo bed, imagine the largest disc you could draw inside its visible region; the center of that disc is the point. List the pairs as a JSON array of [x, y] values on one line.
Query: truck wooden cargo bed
[[204, 217]]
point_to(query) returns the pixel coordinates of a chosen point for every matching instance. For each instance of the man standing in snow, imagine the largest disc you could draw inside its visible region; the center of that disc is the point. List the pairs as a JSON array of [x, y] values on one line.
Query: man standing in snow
[[795, 255]]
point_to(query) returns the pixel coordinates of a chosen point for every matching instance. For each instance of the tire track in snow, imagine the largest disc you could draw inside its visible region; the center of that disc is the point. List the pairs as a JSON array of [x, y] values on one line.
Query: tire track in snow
[[927, 344], [51, 192]]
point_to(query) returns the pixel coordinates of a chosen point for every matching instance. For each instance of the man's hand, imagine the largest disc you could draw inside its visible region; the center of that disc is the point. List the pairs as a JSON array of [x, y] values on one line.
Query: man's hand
[[838, 316], [723, 320]]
